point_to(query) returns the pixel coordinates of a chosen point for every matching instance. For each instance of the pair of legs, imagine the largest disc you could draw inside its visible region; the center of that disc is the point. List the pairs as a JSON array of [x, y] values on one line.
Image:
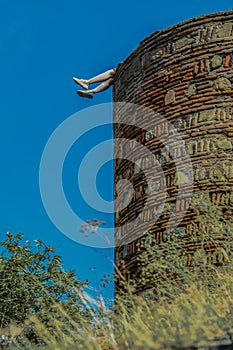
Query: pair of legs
[[106, 79]]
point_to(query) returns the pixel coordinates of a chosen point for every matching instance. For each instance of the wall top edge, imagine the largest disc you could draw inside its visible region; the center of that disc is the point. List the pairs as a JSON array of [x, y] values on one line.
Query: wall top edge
[[172, 30]]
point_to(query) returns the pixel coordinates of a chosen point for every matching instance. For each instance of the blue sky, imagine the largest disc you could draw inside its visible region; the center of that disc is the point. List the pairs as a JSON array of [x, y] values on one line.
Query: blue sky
[[43, 44]]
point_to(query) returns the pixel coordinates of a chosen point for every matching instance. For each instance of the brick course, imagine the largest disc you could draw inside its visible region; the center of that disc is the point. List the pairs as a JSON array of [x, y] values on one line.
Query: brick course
[[185, 73]]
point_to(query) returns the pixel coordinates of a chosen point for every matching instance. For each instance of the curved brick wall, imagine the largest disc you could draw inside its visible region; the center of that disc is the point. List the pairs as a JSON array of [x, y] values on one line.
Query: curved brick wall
[[185, 73]]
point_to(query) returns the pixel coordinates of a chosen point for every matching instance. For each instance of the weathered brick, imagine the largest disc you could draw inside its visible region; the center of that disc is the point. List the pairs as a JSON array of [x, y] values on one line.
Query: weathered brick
[[207, 115], [222, 84], [227, 61], [192, 89], [216, 61], [170, 97], [226, 30], [223, 142], [185, 74]]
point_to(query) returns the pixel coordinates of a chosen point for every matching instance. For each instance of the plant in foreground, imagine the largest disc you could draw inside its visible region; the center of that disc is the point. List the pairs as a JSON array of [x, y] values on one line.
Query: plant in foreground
[[183, 306]]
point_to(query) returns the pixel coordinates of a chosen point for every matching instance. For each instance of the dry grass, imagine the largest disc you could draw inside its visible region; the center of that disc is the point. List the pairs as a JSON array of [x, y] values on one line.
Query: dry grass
[[195, 316], [196, 312]]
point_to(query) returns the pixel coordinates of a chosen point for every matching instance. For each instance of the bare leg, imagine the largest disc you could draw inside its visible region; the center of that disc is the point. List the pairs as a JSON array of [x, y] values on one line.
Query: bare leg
[[101, 77], [84, 83], [102, 87]]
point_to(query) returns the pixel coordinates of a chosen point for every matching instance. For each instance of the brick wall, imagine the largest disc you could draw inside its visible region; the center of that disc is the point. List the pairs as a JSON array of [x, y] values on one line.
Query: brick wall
[[184, 73]]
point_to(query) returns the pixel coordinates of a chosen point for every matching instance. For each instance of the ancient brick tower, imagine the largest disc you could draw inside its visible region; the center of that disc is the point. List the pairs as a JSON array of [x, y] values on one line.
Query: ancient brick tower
[[185, 73]]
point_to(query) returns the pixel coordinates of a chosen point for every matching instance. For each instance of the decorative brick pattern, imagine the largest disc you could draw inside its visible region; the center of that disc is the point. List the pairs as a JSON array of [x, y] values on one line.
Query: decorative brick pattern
[[185, 73]]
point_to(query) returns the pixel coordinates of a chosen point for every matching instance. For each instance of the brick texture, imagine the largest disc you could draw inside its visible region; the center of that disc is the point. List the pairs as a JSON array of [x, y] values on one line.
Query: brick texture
[[185, 73]]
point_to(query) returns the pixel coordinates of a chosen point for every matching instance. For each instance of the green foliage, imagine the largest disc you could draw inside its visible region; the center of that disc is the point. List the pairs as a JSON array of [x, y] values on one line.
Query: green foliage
[[179, 306], [164, 268], [33, 282]]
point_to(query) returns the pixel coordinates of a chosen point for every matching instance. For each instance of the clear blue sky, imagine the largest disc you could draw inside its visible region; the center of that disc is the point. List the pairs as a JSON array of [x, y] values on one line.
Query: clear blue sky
[[43, 44]]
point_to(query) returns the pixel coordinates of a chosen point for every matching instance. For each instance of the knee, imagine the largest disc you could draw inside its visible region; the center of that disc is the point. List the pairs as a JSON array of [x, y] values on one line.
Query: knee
[[110, 81], [112, 72]]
